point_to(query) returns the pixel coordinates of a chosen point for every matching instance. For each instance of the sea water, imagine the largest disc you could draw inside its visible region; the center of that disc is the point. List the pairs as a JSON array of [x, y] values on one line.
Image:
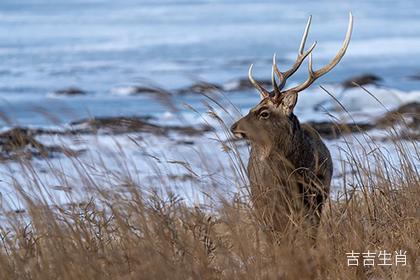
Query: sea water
[[103, 47]]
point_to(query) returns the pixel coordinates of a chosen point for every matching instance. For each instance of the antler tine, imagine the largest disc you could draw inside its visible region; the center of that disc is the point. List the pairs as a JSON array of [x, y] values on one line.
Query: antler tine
[[277, 90], [313, 75], [305, 35], [263, 92], [283, 76]]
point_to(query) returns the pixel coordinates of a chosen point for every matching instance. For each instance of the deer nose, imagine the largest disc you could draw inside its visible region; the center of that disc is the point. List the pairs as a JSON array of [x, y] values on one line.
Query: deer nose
[[234, 127]]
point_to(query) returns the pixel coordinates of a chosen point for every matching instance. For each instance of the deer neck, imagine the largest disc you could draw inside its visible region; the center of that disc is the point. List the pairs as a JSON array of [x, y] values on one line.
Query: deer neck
[[261, 152], [284, 145]]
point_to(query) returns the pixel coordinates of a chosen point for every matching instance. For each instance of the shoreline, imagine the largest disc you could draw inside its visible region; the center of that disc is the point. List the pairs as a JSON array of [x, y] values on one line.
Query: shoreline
[[182, 160]]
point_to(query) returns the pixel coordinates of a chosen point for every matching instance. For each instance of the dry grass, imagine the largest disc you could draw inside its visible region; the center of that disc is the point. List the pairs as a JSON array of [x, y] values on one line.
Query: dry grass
[[133, 235]]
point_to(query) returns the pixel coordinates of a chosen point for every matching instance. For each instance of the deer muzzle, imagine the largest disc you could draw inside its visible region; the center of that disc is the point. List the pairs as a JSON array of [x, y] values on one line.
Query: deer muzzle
[[236, 131]]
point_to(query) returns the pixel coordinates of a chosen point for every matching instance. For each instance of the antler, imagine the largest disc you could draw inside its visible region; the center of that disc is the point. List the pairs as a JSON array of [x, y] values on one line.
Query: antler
[[313, 75], [263, 92], [283, 76]]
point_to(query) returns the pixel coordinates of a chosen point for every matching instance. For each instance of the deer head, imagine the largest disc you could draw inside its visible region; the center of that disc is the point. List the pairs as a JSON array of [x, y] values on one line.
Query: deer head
[[273, 116]]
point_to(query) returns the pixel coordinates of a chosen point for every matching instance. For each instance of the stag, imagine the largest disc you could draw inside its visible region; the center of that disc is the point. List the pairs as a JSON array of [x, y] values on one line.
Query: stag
[[289, 168]]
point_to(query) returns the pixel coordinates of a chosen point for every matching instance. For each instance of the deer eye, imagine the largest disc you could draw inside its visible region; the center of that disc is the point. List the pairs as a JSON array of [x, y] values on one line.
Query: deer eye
[[264, 115]]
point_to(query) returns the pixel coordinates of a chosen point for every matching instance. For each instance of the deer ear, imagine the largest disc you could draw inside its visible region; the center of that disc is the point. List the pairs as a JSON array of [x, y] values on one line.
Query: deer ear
[[288, 102]]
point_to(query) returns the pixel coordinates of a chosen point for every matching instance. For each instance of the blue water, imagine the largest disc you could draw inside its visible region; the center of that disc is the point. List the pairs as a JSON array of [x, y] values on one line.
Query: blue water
[[101, 45]]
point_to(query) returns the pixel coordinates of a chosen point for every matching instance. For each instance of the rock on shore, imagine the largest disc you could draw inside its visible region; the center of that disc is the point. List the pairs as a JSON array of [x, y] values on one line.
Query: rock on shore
[[70, 91]]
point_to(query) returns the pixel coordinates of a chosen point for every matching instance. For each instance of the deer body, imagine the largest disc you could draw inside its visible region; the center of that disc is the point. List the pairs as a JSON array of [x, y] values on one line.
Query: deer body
[[292, 181], [289, 168]]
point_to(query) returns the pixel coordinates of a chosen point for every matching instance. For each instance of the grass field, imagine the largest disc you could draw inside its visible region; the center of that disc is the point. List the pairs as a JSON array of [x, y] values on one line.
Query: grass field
[[122, 231]]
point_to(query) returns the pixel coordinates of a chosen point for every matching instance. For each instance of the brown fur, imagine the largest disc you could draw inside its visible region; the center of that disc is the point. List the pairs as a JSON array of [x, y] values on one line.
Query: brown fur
[[289, 169]]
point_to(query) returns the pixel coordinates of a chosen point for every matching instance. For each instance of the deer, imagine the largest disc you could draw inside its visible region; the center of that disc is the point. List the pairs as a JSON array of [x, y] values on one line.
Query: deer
[[289, 168]]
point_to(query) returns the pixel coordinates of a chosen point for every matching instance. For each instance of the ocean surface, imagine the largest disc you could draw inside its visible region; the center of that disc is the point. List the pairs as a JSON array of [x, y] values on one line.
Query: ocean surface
[[105, 46]]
